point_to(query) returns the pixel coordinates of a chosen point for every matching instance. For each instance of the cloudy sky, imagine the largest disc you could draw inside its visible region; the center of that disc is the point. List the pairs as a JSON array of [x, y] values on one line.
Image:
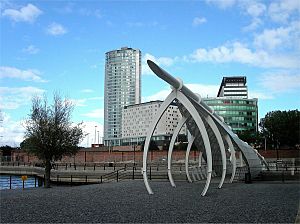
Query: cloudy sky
[[49, 46]]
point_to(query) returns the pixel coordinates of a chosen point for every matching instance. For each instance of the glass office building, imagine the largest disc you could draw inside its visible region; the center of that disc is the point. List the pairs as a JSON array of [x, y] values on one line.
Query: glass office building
[[241, 114], [122, 88]]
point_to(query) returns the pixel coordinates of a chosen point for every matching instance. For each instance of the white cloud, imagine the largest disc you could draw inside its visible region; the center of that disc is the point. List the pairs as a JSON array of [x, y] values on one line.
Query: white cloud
[[161, 95], [255, 9], [27, 13], [97, 113], [203, 89], [281, 82], [89, 128], [280, 37], [256, 22], [281, 11], [11, 132], [13, 98], [162, 61], [240, 53], [56, 29], [223, 4], [198, 21], [27, 75], [31, 49], [260, 95]]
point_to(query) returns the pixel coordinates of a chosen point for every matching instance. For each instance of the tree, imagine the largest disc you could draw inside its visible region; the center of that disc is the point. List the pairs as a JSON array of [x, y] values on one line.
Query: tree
[[281, 128], [49, 133]]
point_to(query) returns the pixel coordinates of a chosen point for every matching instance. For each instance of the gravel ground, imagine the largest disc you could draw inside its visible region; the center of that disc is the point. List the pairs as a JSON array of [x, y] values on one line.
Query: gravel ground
[[128, 201]]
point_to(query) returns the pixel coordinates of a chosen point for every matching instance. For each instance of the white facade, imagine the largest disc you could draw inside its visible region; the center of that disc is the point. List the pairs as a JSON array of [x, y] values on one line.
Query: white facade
[[234, 87], [122, 87], [137, 119]]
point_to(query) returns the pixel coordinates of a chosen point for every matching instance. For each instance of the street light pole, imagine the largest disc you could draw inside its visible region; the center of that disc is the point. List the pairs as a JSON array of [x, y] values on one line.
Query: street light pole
[[95, 134]]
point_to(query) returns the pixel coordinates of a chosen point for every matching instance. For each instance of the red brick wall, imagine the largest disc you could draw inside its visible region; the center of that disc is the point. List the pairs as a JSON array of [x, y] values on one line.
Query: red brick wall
[[93, 156]]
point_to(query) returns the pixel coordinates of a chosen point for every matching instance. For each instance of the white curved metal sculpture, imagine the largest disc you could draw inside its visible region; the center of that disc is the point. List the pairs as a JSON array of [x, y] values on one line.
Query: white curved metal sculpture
[[206, 127]]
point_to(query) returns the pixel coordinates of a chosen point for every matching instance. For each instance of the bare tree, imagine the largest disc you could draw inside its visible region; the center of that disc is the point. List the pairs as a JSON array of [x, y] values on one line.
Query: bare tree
[[50, 134]]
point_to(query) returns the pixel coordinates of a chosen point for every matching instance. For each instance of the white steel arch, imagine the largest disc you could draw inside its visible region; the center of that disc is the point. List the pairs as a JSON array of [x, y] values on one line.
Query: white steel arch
[[199, 111], [171, 146]]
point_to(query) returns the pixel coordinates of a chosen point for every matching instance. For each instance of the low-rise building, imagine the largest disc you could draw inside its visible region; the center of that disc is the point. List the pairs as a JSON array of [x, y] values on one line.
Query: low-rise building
[[137, 119]]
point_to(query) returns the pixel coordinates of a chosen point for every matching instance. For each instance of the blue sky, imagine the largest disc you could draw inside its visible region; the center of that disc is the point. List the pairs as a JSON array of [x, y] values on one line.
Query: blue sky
[[49, 46]]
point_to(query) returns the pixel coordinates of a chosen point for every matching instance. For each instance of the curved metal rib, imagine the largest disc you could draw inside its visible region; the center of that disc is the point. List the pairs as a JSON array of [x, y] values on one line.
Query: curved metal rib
[[187, 155], [171, 146], [216, 131], [195, 115], [233, 158], [156, 119]]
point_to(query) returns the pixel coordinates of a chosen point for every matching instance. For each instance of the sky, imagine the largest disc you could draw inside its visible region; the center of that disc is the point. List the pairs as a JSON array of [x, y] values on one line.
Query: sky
[[59, 46]]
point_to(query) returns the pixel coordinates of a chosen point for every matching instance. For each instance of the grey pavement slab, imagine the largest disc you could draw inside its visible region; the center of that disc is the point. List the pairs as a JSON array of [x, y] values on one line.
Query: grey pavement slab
[[129, 202]]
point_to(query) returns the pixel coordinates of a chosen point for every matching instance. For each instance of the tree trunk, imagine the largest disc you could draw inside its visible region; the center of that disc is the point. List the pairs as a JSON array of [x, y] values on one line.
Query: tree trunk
[[47, 174]]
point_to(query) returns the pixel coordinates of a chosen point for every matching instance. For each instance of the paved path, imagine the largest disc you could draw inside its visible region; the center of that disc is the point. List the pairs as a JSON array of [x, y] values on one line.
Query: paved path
[[128, 201]]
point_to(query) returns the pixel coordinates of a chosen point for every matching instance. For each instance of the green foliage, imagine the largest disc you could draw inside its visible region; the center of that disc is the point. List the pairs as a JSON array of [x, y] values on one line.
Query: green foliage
[[6, 150], [281, 128], [50, 134]]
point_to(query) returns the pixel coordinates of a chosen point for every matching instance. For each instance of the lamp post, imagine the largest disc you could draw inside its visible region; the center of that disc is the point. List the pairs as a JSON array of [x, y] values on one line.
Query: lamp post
[[95, 134], [98, 136]]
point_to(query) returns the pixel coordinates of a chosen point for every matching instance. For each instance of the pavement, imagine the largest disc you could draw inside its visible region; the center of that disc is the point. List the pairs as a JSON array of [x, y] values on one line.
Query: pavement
[[129, 202]]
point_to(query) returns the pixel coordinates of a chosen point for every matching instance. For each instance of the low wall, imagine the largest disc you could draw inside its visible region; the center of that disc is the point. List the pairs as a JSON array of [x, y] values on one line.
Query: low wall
[[92, 156]]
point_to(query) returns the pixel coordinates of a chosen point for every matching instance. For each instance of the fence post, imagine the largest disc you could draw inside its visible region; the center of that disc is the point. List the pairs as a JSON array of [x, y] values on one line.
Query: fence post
[[117, 175], [101, 179], [84, 166], [86, 179], [94, 166], [71, 180], [133, 173], [74, 166], [23, 183], [66, 166], [104, 166], [150, 173], [9, 182]]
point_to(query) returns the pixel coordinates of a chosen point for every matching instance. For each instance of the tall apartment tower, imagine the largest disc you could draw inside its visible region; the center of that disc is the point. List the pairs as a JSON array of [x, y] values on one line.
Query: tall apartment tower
[[122, 88], [233, 87]]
